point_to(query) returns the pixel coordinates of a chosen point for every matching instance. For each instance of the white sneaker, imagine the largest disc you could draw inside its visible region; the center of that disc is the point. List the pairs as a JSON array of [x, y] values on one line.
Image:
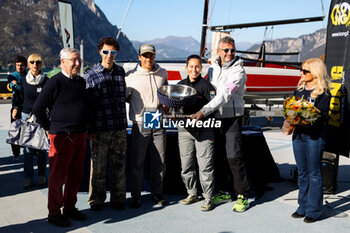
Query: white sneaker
[[207, 205], [191, 198]]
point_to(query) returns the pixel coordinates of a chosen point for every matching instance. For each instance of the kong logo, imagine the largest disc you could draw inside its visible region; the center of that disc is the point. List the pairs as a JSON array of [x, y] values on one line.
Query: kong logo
[[341, 14]]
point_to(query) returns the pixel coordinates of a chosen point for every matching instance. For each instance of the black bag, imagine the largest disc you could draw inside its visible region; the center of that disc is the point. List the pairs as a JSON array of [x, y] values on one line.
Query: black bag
[[329, 170], [28, 134]]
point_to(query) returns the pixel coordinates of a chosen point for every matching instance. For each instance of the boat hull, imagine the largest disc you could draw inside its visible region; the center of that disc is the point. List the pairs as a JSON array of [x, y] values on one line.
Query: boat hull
[[262, 82]]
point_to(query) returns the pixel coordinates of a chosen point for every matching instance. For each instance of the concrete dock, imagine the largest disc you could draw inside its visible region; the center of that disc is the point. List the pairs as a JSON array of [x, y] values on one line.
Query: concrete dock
[[26, 210]]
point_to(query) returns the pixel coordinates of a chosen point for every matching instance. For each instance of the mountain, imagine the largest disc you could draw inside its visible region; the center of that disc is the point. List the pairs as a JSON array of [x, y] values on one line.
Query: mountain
[[172, 47], [308, 46], [32, 26], [243, 45]]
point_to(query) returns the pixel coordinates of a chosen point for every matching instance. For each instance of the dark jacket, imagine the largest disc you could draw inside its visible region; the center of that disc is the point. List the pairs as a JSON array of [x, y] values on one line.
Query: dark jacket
[[67, 102], [203, 88], [322, 103], [28, 95]]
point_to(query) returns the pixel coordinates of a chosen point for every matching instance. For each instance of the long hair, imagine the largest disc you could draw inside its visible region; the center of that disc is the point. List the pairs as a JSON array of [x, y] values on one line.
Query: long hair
[[319, 70]]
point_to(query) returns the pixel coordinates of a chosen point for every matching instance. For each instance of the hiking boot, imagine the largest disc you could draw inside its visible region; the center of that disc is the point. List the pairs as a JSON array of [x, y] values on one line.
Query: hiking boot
[[74, 214], [158, 199], [241, 204], [41, 180], [191, 198], [96, 206], [207, 205], [135, 203], [28, 183], [59, 220], [221, 197]]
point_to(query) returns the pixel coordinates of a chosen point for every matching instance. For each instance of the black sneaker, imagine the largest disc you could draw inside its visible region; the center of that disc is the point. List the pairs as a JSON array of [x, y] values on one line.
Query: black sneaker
[[297, 215], [96, 207], [135, 203], [309, 220], [158, 199], [118, 205], [58, 220], [74, 214]]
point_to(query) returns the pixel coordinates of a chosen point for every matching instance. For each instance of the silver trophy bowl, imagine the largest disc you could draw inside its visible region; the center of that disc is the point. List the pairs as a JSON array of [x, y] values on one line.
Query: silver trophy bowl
[[177, 96]]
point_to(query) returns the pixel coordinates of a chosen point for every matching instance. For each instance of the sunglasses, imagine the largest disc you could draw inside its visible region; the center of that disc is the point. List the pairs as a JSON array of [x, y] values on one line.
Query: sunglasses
[[36, 62], [305, 72], [226, 50], [106, 52]]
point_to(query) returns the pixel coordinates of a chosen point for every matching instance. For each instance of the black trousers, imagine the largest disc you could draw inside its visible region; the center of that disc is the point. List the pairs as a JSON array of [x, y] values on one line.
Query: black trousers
[[16, 150], [229, 162]]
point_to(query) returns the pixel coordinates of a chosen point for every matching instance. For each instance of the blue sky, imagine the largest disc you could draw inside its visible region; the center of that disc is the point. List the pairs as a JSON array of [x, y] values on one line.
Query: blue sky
[[150, 19]]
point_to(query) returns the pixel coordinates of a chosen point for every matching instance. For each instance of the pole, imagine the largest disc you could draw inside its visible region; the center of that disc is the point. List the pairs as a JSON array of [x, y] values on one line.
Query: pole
[[126, 13], [204, 28], [82, 58]]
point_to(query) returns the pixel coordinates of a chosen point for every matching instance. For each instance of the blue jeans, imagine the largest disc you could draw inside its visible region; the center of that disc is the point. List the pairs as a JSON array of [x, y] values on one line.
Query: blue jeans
[[29, 153], [308, 151]]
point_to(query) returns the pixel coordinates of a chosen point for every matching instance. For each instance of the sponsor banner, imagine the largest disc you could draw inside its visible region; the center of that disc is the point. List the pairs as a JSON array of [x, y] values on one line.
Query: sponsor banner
[[66, 18], [338, 66], [157, 120]]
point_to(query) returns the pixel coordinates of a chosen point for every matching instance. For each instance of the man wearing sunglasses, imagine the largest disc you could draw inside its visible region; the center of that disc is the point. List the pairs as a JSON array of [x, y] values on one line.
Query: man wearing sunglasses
[[105, 83], [228, 77], [142, 84]]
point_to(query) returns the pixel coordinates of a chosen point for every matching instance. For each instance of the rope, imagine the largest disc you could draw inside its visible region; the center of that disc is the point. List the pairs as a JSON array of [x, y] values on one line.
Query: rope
[[126, 13]]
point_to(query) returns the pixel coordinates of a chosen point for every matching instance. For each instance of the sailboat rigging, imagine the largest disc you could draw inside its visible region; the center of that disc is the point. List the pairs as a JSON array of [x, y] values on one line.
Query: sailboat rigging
[[266, 79]]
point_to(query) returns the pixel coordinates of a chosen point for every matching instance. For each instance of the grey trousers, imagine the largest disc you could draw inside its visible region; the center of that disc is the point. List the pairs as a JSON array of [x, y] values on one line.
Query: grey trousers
[[154, 141], [200, 149]]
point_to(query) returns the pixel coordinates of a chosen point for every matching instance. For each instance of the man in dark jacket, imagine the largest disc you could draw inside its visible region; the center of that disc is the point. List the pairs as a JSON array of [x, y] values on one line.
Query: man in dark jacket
[[66, 98], [15, 80]]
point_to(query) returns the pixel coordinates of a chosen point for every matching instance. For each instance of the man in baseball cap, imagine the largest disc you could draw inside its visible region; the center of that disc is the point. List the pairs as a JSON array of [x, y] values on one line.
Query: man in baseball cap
[[147, 48], [142, 84]]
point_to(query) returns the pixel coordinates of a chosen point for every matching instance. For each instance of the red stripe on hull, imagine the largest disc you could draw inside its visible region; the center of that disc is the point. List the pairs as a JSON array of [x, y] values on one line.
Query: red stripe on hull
[[269, 89], [174, 75], [271, 80]]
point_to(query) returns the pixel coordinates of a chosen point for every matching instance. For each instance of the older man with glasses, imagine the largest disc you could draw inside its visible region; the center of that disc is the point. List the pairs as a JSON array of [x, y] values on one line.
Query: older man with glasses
[[105, 83], [228, 76], [65, 97]]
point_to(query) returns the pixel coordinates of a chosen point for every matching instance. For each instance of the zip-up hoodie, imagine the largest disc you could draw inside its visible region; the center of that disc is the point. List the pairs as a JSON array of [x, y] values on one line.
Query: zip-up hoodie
[[141, 90], [229, 81]]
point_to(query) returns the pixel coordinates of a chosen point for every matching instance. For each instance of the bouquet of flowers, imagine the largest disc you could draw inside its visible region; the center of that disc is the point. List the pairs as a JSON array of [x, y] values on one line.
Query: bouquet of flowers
[[298, 111]]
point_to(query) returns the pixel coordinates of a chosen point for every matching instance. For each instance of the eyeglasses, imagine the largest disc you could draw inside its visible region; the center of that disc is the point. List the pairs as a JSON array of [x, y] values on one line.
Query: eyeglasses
[[226, 50], [106, 52], [74, 60], [36, 62], [305, 71]]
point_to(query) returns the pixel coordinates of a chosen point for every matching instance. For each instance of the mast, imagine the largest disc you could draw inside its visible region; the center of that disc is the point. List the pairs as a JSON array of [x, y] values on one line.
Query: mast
[[204, 28]]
